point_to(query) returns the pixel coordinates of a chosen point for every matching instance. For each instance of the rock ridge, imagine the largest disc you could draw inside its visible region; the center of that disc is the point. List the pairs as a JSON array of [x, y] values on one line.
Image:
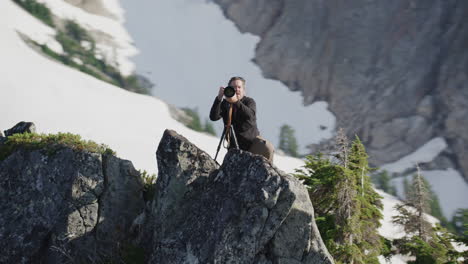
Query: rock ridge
[[66, 207], [244, 211]]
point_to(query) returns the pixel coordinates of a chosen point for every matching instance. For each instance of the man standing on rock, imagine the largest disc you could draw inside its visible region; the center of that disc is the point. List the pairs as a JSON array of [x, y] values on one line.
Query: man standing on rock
[[244, 120]]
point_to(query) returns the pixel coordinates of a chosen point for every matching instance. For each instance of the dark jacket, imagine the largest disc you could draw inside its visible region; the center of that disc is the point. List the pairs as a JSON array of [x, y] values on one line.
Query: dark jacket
[[244, 119]]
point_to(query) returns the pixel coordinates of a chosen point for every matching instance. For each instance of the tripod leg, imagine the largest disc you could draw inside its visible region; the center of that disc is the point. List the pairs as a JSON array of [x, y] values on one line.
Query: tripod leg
[[220, 142], [234, 136]]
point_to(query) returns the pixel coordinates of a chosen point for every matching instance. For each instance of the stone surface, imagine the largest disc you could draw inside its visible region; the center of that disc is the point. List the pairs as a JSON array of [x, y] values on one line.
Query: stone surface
[[65, 206], [246, 211], [377, 64], [21, 127]]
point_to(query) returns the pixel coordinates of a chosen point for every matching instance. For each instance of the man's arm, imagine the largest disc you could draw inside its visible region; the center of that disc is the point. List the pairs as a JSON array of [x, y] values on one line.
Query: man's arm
[[215, 112], [247, 109]]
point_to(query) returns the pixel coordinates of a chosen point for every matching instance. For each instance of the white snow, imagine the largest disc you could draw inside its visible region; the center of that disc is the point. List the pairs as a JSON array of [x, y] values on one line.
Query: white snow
[[189, 49], [423, 154], [117, 55], [33, 28], [61, 99], [113, 6]]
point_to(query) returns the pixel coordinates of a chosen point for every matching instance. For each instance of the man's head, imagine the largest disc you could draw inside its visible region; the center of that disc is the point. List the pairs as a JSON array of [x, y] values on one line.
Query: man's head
[[238, 83]]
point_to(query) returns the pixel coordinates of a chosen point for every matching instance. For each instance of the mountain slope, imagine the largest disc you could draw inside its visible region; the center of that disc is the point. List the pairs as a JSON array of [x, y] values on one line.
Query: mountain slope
[[60, 99]]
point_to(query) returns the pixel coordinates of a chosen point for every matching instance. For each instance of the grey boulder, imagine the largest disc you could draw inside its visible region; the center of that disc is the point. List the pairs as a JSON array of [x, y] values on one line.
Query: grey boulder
[[66, 207], [246, 211]]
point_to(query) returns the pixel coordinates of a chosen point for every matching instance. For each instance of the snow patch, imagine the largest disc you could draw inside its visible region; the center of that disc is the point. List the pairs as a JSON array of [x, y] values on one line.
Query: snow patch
[[423, 154], [61, 99], [32, 27], [113, 6], [117, 53]]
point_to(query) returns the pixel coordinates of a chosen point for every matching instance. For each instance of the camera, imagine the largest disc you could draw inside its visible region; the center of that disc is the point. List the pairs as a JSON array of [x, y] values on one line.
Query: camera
[[229, 91]]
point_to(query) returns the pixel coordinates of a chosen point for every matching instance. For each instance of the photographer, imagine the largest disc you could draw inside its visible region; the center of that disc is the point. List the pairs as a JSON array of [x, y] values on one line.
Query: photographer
[[244, 120]]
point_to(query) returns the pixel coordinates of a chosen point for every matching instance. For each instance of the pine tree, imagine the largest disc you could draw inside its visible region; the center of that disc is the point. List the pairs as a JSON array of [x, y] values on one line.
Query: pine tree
[[434, 206], [288, 142], [369, 205], [383, 181], [420, 201], [460, 222], [426, 243], [406, 188], [195, 123], [342, 145], [209, 128], [347, 208]]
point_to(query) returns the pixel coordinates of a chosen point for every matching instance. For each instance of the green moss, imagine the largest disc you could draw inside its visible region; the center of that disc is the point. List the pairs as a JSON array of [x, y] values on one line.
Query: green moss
[[51, 143]]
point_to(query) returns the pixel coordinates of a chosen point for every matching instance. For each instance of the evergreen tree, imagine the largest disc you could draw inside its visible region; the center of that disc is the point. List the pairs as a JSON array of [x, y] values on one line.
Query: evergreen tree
[[76, 32], [426, 243], [39, 10], [406, 188], [195, 123], [209, 128], [342, 146], [288, 142], [460, 223], [383, 181], [369, 205], [434, 206], [346, 206], [433, 201]]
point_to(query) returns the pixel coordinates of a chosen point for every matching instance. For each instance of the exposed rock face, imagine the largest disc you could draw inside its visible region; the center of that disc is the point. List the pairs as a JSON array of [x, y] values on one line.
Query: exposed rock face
[[394, 72], [63, 206], [245, 211]]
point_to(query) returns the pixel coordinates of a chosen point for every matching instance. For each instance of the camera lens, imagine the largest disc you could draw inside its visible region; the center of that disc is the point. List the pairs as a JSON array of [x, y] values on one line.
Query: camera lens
[[229, 91]]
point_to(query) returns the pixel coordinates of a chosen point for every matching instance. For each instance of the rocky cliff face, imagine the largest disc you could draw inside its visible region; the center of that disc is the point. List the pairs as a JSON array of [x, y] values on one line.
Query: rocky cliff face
[[66, 207], [245, 211], [394, 72]]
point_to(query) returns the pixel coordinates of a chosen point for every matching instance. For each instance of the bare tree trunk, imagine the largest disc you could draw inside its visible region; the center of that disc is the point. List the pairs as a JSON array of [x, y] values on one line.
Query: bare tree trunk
[[421, 200]]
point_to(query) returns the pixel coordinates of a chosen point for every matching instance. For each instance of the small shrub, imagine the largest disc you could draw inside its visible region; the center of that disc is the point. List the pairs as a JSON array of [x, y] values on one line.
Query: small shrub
[[149, 181], [76, 32], [51, 143], [39, 10]]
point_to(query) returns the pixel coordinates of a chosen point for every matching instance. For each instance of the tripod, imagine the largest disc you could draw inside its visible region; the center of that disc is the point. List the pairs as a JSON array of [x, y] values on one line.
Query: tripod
[[228, 132]]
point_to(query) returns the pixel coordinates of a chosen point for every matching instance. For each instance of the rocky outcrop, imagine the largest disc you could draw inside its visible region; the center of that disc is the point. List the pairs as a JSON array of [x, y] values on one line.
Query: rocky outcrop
[[394, 72], [61, 205], [66, 207], [21, 127], [246, 211]]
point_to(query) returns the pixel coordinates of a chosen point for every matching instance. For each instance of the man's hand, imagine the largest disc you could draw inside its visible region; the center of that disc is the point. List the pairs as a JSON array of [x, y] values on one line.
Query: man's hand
[[221, 93], [233, 99]]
